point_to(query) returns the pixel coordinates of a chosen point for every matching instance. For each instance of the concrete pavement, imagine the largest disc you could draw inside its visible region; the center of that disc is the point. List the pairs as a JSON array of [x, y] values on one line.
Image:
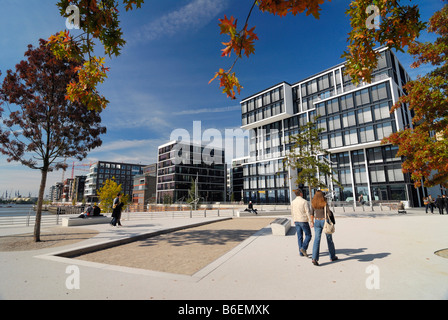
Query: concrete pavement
[[381, 256]]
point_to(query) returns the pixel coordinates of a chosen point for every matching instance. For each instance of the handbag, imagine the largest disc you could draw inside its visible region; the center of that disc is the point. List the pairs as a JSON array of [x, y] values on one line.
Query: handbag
[[328, 225]]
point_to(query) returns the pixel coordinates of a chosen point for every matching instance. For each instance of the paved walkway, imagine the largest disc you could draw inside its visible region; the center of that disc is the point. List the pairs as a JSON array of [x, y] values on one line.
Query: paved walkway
[[381, 256]]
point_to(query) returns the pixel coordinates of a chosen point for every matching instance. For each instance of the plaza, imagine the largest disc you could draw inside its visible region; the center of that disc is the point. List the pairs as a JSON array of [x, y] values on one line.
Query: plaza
[[382, 255]]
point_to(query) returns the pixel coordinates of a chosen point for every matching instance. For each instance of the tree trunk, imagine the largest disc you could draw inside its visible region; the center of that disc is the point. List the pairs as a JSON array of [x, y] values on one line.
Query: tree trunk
[[40, 201]]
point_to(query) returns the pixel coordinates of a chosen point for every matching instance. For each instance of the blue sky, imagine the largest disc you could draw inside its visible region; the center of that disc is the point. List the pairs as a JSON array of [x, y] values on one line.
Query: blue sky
[[160, 81]]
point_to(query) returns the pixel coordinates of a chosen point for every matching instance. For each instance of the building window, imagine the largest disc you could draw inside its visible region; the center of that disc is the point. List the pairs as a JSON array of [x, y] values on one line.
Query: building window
[[333, 106], [366, 134], [383, 130], [382, 111], [351, 137], [348, 119], [379, 92], [362, 97], [364, 115], [347, 102], [336, 140], [334, 123]]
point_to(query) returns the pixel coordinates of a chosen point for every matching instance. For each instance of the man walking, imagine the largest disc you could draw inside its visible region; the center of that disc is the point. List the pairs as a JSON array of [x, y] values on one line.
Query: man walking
[[300, 213]]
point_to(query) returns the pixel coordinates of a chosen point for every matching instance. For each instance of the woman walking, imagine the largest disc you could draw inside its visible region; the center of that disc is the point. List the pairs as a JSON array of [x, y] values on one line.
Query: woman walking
[[116, 212], [319, 207]]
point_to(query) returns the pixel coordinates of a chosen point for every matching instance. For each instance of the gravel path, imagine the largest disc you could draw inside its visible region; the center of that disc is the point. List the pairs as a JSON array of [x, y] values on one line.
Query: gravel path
[[182, 252]]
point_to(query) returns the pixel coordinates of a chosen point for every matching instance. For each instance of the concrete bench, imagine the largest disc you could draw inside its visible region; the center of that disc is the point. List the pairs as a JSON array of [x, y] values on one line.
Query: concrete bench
[[75, 221], [280, 226]]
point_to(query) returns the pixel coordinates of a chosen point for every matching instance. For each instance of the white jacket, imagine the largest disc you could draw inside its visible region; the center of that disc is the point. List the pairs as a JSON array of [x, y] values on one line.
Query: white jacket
[[300, 210]]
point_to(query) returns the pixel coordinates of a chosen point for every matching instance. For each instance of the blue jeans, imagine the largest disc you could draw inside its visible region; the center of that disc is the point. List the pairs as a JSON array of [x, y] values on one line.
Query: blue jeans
[[318, 227], [303, 227]]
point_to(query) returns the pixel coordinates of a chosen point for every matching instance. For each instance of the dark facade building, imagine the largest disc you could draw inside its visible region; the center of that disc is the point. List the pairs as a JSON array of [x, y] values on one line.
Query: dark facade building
[[354, 118], [180, 164], [123, 173]]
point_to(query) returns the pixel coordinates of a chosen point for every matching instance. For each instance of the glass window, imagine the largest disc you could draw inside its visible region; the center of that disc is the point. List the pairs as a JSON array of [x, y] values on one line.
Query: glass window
[[398, 192], [347, 102], [360, 175], [384, 130], [324, 142], [364, 115], [377, 175], [382, 111], [253, 183], [276, 95], [362, 97], [320, 108], [267, 98], [303, 120], [333, 106], [366, 134], [303, 88], [358, 157], [322, 124], [382, 61], [261, 182], [391, 153], [345, 176], [348, 119], [313, 86], [379, 92], [395, 173], [334, 123], [351, 137], [259, 102], [259, 115], [336, 140], [375, 155]]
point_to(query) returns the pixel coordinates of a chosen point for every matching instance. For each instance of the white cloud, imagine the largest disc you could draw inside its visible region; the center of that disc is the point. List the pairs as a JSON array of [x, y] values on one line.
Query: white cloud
[[194, 15]]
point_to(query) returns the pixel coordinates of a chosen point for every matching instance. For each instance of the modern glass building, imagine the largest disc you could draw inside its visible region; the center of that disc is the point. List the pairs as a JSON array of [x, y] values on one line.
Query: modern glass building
[[180, 163], [123, 173], [355, 119]]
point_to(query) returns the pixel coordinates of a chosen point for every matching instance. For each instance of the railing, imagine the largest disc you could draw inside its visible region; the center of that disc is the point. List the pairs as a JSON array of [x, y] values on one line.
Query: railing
[[375, 206]]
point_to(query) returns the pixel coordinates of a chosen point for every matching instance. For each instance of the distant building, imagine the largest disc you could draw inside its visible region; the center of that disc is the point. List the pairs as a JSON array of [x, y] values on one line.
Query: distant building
[[122, 173], [181, 163], [56, 192], [145, 186]]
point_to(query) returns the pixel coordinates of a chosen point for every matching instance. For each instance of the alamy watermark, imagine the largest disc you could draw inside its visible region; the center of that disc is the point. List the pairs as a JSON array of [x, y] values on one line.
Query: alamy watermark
[[373, 21], [373, 280], [73, 20], [73, 281]]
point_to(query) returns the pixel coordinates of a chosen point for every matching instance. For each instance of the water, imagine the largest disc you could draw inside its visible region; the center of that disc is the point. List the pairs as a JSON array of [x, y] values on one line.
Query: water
[[17, 210]]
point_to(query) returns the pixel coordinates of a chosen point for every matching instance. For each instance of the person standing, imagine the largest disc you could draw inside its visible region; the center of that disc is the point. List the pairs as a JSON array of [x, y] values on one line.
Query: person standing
[[116, 210], [440, 203], [431, 203], [318, 207], [445, 203], [300, 214]]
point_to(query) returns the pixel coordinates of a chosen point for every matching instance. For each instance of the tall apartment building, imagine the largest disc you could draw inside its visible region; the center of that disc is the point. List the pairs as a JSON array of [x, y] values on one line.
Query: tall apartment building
[[355, 119], [103, 170], [180, 163]]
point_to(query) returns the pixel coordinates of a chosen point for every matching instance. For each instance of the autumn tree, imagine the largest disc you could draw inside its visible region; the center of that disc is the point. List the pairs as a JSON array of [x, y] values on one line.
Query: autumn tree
[[39, 127], [99, 20], [108, 192], [400, 25], [425, 144]]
